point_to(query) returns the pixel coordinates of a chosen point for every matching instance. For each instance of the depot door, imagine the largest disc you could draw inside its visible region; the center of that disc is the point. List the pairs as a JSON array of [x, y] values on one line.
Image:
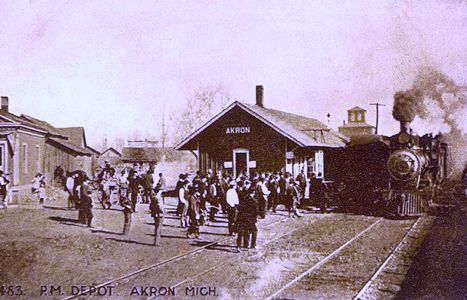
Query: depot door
[[240, 161]]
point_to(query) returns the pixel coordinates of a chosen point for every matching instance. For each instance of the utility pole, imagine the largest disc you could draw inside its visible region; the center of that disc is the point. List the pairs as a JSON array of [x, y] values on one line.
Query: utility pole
[[377, 113], [163, 131]]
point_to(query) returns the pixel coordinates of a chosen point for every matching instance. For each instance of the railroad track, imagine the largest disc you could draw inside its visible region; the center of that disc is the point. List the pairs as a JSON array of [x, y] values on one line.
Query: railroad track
[[363, 290], [278, 292], [375, 275], [224, 262], [163, 263]]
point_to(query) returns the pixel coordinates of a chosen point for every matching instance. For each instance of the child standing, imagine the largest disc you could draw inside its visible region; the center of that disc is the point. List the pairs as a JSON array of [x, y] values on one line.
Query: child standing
[[41, 189], [36, 181]]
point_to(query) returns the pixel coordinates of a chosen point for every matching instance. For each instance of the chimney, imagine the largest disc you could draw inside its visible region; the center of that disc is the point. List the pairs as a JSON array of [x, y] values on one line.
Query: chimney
[[259, 95], [5, 103]]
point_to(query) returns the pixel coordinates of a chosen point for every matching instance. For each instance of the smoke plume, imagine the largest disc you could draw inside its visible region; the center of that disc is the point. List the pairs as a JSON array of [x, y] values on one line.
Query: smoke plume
[[405, 106], [435, 103]]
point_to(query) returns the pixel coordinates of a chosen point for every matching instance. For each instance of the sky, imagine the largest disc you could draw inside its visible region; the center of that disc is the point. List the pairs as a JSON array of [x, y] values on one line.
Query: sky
[[115, 67]]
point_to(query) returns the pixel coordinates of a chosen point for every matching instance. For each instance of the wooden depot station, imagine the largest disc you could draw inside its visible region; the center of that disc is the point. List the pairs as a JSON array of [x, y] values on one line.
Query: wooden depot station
[[245, 138]]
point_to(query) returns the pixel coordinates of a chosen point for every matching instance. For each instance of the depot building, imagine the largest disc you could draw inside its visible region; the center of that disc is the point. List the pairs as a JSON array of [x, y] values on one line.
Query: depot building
[[246, 138]]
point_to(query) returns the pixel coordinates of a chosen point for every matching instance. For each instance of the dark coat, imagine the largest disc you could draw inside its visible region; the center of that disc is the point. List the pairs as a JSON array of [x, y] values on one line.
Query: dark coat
[[248, 211], [156, 208], [147, 181], [193, 206], [86, 201]]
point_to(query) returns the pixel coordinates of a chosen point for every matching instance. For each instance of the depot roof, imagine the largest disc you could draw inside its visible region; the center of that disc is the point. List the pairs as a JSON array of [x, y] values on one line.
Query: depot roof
[[304, 131]]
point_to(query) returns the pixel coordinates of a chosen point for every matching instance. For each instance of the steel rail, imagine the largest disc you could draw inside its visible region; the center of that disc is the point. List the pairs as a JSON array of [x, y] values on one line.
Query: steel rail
[[156, 265], [224, 262], [321, 262], [383, 265]]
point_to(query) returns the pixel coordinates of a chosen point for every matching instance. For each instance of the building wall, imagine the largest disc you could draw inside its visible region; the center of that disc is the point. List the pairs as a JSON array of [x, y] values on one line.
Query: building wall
[[265, 145], [84, 163], [94, 163], [31, 152], [57, 157], [24, 163], [25, 154], [32, 155]]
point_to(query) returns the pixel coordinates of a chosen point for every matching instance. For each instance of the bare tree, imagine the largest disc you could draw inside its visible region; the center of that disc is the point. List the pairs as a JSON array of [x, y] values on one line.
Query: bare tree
[[163, 135], [203, 105]]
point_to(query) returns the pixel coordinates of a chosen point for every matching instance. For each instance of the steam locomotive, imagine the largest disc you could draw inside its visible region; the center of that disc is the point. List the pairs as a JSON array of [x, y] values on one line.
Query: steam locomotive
[[417, 166], [397, 175]]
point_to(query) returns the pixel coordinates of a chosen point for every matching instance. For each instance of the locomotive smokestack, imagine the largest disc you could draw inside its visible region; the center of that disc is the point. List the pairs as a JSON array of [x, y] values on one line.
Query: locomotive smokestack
[[405, 126]]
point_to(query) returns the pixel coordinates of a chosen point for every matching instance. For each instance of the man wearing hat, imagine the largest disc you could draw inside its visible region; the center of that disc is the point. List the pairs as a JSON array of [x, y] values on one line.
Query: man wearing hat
[[273, 186], [183, 197], [232, 203], [193, 212], [106, 184], [81, 182], [157, 212], [263, 194], [247, 218], [181, 179]]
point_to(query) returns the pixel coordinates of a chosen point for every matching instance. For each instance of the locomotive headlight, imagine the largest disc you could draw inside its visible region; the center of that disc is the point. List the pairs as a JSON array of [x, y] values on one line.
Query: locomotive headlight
[[404, 165]]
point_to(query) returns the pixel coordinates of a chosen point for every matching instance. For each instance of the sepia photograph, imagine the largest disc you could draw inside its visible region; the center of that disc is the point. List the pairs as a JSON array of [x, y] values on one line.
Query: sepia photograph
[[201, 149]]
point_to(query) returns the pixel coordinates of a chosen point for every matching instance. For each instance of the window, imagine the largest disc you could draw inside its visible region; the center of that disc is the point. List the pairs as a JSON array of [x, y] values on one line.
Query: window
[[352, 117], [319, 163], [25, 158], [38, 157], [309, 167], [2, 164]]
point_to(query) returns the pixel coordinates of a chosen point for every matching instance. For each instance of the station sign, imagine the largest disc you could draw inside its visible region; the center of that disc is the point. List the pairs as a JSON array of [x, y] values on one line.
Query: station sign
[[289, 155], [237, 130], [228, 164]]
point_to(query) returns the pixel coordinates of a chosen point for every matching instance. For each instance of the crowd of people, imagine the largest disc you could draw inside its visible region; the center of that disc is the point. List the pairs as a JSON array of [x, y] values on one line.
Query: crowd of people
[[201, 198], [244, 199], [132, 183], [129, 186]]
